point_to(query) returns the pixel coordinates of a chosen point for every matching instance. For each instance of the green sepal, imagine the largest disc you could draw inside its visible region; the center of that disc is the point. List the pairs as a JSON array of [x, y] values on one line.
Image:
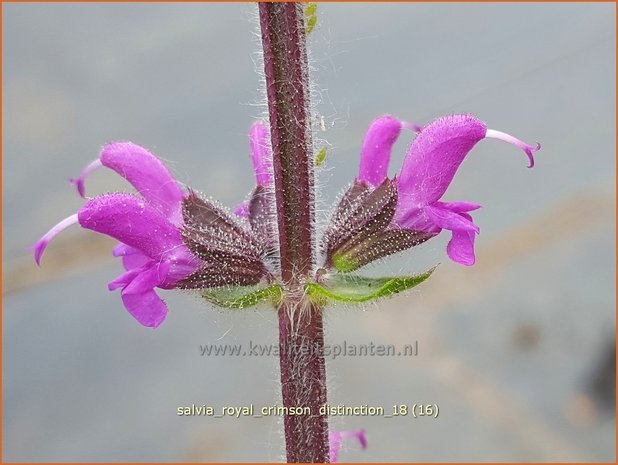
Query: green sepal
[[242, 296], [350, 288]]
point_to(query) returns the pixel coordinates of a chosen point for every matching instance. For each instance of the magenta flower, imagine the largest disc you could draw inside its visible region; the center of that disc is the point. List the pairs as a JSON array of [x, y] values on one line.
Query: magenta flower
[[336, 438], [167, 239], [428, 169]]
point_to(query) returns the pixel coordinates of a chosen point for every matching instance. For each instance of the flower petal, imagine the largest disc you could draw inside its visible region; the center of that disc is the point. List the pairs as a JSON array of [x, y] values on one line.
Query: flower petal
[[142, 301], [147, 174], [447, 219], [40, 246], [416, 219], [131, 257], [433, 159], [134, 260], [124, 279], [182, 264], [130, 220], [459, 207], [380, 137], [261, 156], [123, 249], [79, 181], [460, 248]]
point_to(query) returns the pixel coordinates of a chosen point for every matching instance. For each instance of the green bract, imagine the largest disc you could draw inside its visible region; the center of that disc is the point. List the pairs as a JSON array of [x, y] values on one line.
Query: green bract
[[238, 297], [351, 288]]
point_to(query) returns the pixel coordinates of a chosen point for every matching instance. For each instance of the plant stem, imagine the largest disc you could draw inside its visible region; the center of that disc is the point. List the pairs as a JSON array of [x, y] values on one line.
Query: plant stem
[[301, 339]]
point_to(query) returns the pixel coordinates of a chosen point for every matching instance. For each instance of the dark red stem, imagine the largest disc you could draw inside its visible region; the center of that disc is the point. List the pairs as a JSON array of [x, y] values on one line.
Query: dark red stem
[[301, 339]]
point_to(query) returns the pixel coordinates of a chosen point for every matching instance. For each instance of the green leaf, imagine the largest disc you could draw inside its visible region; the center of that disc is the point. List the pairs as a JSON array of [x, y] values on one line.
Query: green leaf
[[242, 296], [350, 288]]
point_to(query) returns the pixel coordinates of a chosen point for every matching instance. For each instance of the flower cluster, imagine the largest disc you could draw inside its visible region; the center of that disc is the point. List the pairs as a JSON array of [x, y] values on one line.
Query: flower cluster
[[171, 238]]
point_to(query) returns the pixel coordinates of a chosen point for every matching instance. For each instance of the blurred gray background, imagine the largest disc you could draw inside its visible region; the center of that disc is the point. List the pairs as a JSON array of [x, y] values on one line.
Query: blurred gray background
[[517, 351]]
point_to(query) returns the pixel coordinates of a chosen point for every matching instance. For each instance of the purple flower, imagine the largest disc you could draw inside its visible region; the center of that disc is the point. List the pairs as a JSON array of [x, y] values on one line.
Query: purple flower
[[336, 438], [428, 169], [168, 239], [148, 228]]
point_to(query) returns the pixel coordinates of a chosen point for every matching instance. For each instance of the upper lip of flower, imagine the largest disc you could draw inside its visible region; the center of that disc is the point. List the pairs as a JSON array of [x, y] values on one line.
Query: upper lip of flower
[[144, 171]]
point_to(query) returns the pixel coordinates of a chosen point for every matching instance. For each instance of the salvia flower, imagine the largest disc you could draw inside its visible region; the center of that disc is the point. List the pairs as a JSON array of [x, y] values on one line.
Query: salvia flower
[[378, 216], [168, 238]]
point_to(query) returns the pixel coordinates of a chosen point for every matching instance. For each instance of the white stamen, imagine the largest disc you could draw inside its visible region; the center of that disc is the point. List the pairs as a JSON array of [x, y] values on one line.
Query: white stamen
[[528, 149], [41, 244]]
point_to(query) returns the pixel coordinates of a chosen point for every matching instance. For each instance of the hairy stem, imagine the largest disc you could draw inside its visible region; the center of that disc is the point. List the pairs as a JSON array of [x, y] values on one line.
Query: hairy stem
[[303, 381], [301, 340], [285, 66]]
